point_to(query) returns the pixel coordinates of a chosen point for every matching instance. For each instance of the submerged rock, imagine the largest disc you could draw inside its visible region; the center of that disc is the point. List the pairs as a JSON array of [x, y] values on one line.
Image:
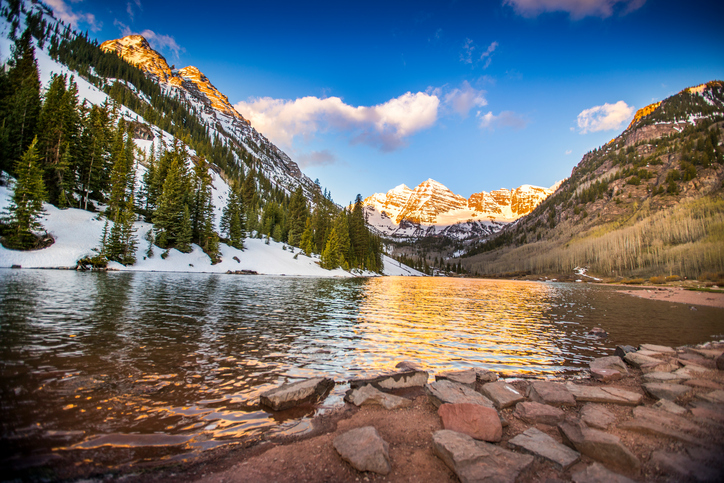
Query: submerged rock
[[364, 449], [293, 394]]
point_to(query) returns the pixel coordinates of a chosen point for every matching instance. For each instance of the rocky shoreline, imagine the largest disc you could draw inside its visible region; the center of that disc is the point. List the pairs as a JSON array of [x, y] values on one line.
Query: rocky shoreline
[[651, 413]]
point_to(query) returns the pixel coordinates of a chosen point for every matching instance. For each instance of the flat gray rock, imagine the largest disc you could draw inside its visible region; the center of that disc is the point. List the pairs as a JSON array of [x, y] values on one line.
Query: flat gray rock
[[394, 380], [467, 377], [622, 350], [477, 461], [664, 377], [551, 393], [289, 395], [661, 349], [503, 395], [598, 445], [364, 449], [610, 362], [682, 467], [533, 412], [596, 416], [670, 407], [607, 395], [661, 366], [666, 418], [597, 473], [538, 443], [637, 360], [660, 423], [662, 390], [368, 395], [448, 392]]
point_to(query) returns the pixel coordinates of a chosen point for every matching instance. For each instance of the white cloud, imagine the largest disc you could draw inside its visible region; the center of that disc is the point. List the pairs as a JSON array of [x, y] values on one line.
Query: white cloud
[[316, 158], [385, 126], [605, 117], [568, 151], [504, 119], [159, 42], [487, 55], [65, 13], [466, 56], [576, 8], [465, 98]]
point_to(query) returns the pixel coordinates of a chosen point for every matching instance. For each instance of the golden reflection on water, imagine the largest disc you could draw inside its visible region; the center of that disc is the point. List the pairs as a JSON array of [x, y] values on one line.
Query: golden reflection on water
[[457, 323]]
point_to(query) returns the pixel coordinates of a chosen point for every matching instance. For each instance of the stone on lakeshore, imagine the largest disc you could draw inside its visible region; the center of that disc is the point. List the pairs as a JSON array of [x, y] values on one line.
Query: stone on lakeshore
[[666, 418], [475, 420], [596, 416], [368, 395], [662, 349], [606, 375], [691, 371], [663, 377], [533, 412], [598, 332], [609, 362], [709, 413], [670, 407], [655, 354], [293, 394], [408, 366], [622, 350], [607, 395], [696, 359], [702, 383], [598, 445], [551, 393], [477, 461], [467, 377], [597, 473], [715, 397], [637, 360], [483, 375], [661, 366], [503, 395], [364, 449], [441, 392], [662, 390], [538, 443], [720, 362], [682, 467], [708, 353], [650, 427], [393, 380]]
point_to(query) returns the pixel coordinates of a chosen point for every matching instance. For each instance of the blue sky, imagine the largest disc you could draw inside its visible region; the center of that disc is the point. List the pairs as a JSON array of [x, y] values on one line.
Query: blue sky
[[477, 95]]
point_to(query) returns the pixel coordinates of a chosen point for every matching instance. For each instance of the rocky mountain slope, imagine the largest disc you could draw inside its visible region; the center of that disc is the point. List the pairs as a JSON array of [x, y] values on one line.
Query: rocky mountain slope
[[649, 202], [431, 209], [214, 108]]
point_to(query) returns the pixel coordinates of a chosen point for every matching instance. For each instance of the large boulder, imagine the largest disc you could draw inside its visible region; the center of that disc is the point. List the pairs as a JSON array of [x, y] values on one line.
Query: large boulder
[[533, 413], [293, 394], [552, 393], [364, 449], [368, 395], [442, 392], [534, 441], [475, 420], [503, 395], [477, 461], [393, 380], [598, 445]]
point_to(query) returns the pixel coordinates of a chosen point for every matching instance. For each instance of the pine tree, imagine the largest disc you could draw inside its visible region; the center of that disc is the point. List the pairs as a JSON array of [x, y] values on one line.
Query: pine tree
[[307, 240], [358, 233], [331, 255], [298, 214], [233, 219], [341, 227], [183, 241], [27, 201], [169, 219]]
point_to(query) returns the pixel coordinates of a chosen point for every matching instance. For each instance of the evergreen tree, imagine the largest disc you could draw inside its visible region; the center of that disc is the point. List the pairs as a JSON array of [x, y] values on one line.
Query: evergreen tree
[[233, 219], [341, 228], [21, 109], [331, 255], [183, 241], [173, 226], [358, 233], [27, 202], [307, 240], [298, 214]]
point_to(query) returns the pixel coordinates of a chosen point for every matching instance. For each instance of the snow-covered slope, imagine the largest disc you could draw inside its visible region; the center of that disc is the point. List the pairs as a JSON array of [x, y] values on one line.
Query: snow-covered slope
[[431, 209]]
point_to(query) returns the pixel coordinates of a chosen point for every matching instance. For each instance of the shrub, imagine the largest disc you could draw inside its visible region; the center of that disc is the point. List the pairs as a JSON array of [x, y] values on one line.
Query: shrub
[[633, 281], [673, 278], [657, 280]]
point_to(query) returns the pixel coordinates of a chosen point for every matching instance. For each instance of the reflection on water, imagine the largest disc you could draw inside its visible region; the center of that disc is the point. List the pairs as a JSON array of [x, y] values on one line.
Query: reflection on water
[[142, 366]]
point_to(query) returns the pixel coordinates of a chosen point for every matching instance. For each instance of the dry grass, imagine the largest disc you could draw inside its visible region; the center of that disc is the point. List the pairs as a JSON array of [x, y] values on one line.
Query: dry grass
[[687, 239]]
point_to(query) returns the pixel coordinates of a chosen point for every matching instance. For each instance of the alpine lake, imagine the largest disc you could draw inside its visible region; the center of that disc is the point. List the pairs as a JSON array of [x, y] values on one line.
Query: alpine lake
[[140, 368]]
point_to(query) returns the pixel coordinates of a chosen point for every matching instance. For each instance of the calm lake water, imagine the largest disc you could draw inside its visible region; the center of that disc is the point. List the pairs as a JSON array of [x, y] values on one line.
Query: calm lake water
[[124, 368]]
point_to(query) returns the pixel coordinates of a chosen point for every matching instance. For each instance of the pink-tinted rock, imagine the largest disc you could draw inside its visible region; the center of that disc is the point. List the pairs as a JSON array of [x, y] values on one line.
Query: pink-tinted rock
[[533, 412], [474, 420]]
